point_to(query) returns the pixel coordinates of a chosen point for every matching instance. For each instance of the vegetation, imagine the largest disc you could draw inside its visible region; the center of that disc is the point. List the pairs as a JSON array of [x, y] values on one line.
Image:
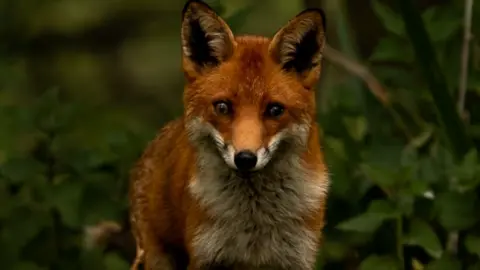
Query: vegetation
[[84, 85]]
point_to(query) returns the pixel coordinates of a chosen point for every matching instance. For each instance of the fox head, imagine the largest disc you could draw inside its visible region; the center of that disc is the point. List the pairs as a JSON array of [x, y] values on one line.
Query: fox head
[[250, 98]]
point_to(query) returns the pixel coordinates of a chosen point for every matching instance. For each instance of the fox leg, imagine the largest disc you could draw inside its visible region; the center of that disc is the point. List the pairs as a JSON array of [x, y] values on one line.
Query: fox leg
[[150, 253], [139, 258], [157, 259], [158, 262], [140, 252]]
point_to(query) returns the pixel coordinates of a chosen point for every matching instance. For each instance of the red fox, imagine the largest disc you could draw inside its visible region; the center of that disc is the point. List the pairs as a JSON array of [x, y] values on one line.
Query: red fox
[[238, 181]]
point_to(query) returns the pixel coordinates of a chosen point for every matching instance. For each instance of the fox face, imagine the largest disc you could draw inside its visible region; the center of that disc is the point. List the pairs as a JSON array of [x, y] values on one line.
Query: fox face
[[250, 97]]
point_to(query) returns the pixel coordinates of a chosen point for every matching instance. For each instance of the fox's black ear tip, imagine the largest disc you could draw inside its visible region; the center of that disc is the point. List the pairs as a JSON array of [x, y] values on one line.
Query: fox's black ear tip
[[319, 11], [189, 3]]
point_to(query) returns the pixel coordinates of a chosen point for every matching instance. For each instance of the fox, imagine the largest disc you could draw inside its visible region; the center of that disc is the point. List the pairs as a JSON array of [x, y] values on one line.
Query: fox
[[238, 181]]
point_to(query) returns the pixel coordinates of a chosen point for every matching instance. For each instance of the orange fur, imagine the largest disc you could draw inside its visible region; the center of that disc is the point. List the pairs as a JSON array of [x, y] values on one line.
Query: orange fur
[[164, 214]]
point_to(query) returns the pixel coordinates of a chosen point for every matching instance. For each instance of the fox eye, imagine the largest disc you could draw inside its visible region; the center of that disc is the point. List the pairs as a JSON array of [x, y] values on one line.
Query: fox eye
[[274, 110], [223, 107]]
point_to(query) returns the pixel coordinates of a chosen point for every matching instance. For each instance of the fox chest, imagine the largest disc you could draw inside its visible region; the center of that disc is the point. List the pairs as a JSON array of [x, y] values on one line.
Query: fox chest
[[256, 227], [256, 246]]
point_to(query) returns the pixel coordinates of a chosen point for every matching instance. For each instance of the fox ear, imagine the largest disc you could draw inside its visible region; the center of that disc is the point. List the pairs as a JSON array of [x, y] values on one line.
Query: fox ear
[[298, 46], [206, 38]]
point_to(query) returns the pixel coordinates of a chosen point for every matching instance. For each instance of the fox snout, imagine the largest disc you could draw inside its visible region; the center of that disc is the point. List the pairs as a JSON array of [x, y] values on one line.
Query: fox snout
[[245, 160], [250, 152], [247, 140], [245, 148]]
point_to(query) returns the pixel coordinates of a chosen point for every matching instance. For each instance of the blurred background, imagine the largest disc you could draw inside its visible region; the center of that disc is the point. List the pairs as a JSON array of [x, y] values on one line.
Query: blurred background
[[85, 84]]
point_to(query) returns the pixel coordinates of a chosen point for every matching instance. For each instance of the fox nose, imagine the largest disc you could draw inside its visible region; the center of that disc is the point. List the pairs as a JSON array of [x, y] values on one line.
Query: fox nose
[[245, 160]]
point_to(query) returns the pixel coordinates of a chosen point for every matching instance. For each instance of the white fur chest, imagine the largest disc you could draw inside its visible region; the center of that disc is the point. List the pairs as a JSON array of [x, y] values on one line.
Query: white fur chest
[[258, 222]]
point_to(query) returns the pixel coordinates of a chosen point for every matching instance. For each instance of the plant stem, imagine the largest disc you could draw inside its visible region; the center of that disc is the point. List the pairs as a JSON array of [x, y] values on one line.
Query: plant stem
[[467, 36], [346, 43], [453, 127], [360, 71], [399, 237]]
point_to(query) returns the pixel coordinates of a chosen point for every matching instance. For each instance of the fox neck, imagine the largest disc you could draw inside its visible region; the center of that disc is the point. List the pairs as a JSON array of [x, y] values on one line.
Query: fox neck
[[284, 188], [263, 214]]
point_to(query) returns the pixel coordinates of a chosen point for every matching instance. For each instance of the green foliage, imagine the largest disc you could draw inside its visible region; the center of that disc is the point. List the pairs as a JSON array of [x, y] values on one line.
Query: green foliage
[[445, 263], [380, 263], [472, 243], [402, 184], [378, 212], [391, 20], [64, 167], [404, 177], [423, 235], [54, 183]]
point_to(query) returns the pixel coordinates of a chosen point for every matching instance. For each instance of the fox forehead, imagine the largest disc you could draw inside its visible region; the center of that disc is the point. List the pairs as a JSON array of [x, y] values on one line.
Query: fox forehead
[[250, 77]]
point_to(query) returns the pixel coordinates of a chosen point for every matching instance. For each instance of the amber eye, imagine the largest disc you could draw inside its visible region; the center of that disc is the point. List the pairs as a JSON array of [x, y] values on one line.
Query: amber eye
[[274, 110], [223, 107]]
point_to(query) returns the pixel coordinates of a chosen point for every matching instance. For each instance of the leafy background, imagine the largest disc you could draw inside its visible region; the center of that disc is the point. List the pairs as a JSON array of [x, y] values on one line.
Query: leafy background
[[84, 85]]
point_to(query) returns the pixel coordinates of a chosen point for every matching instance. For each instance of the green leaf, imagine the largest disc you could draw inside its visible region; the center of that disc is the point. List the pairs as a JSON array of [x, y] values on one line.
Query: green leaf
[[384, 155], [421, 234], [356, 127], [442, 161], [417, 265], [366, 223], [406, 204], [468, 172], [441, 23], [337, 146], [388, 49], [81, 160], [24, 224], [114, 262], [335, 250], [472, 243], [429, 14], [392, 21], [423, 138], [380, 176], [378, 212], [20, 170], [98, 196], [376, 262], [457, 211], [66, 198], [418, 187], [383, 207], [445, 263], [409, 157]]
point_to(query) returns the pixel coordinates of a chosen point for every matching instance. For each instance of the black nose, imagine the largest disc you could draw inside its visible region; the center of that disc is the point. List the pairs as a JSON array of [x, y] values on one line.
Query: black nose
[[245, 160]]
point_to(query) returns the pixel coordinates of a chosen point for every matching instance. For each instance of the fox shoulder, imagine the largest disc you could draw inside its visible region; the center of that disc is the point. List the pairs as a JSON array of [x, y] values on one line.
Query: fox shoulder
[[156, 159]]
